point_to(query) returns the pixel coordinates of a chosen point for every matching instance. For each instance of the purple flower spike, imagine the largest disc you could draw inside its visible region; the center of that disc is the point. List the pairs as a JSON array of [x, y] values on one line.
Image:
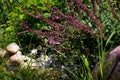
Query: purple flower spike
[[52, 41]]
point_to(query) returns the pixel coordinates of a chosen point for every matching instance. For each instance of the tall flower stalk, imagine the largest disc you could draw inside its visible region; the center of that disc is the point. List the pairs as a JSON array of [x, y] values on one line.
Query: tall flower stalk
[[59, 30], [113, 10]]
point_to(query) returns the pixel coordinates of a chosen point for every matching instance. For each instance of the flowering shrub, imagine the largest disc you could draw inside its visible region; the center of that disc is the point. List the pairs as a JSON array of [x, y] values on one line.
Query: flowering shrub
[[59, 21]]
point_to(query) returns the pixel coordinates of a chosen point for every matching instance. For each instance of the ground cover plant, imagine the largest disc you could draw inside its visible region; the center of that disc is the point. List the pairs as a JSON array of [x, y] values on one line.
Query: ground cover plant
[[79, 31]]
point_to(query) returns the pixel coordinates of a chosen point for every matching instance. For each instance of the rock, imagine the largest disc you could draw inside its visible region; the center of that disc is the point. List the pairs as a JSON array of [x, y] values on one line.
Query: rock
[[115, 60], [115, 53], [13, 48], [45, 60], [31, 64], [17, 57], [3, 52], [33, 53], [111, 66], [24, 61]]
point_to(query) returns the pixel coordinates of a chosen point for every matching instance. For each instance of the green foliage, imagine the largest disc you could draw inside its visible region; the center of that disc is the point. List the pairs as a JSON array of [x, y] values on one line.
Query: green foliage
[[12, 17], [26, 73], [88, 48], [6, 26]]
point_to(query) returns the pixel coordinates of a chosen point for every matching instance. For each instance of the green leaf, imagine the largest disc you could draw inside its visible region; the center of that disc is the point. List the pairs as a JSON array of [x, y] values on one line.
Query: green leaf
[[109, 38], [11, 28], [47, 15]]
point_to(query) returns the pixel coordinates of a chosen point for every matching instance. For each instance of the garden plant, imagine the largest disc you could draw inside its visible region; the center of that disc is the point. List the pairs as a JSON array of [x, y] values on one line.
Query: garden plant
[[79, 32]]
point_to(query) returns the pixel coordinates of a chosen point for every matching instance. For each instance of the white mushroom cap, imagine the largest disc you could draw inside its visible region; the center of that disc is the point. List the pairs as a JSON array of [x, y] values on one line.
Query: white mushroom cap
[[12, 48]]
